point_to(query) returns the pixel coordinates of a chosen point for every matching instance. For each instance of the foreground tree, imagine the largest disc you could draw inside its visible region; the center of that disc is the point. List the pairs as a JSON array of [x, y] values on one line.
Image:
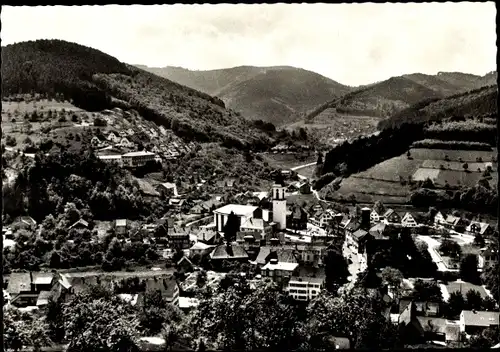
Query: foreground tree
[[97, 321], [468, 268], [352, 315], [24, 330]]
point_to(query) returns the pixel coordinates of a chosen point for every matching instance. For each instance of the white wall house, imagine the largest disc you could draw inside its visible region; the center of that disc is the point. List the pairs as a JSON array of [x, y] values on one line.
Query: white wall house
[[408, 221], [243, 212], [439, 219], [374, 217], [305, 288], [134, 159]]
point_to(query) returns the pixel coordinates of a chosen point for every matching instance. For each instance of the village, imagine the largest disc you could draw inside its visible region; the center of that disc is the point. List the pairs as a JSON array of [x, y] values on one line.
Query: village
[[271, 236]]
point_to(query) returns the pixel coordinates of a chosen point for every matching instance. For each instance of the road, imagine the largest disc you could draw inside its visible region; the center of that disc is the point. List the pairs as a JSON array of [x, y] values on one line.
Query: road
[[432, 245], [138, 273]]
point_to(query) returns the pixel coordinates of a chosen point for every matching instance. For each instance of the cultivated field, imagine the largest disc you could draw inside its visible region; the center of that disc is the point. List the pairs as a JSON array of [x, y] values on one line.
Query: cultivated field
[[383, 181]]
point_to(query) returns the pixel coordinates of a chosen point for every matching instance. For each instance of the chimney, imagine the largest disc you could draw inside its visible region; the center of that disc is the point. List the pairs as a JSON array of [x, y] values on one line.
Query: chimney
[[365, 218]]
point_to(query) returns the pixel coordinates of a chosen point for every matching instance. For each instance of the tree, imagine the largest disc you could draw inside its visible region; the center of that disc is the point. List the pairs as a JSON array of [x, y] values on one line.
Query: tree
[[379, 207], [465, 166], [97, 321], [451, 248], [486, 339], [24, 329], [393, 278], [479, 240], [336, 270], [427, 291], [320, 159], [456, 304], [231, 227], [468, 268], [474, 300], [408, 154]]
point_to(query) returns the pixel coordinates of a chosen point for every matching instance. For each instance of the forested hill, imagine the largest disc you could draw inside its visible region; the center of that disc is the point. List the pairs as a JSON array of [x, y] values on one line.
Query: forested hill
[[277, 94], [94, 81], [481, 101]]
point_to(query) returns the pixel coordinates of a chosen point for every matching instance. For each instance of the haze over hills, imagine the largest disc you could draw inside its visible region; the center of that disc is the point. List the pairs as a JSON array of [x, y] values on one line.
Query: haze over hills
[[278, 94]]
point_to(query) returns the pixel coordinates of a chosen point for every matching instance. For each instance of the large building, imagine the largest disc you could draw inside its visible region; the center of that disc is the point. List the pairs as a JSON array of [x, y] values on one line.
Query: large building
[[243, 212], [305, 288], [135, 159], [279, 206]]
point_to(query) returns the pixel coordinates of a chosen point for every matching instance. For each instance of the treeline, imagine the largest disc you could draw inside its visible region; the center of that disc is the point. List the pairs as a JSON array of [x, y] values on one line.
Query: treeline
[[468, 130], [451, 145], [351, 157], [479, 199], [55, 68], [475, 102]]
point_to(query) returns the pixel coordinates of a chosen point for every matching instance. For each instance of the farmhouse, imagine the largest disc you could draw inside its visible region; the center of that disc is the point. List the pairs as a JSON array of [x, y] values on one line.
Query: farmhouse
[[168, 189], [472, 322], [113, 137], [135, 159], [391, 216], [480, 228], [439, 219], [374, 217], [408, 221]]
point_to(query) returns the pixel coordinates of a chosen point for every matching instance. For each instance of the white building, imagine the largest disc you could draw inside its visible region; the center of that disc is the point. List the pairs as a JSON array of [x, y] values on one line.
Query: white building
[[374, 217], [134, 159], [305, 288], [408, 221], [279, 206], [439, 219], [117, 159], [243, 212]]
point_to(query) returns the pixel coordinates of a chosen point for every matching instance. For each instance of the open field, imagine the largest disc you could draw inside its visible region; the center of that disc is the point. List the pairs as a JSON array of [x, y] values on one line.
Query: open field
[[422, 174], [19, 108], [307, 171], [391, 169], [287, 161]]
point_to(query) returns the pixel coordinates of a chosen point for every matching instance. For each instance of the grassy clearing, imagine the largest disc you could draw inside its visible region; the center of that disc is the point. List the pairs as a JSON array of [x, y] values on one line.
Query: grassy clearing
[[422, 174], [287, 161], [20, 108], [307, 171], [457, 178], [391, 169], [375, 187]]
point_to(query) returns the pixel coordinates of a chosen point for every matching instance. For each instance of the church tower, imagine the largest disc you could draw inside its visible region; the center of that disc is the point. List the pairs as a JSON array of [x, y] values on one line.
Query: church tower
[[279, 206]]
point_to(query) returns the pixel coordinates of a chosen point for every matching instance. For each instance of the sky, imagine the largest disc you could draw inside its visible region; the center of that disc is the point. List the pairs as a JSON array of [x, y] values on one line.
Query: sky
[[353, 44]]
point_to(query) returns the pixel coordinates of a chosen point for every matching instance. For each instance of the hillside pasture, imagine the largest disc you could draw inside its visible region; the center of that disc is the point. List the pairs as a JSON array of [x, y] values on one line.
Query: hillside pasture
[[22, 107], [457, 166], [287, 161], [453, 155], [392, 169], [458, 178]]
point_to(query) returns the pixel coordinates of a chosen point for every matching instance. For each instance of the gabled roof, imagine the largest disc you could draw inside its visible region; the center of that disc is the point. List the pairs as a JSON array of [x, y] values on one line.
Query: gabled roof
[[223, 251], [378, 230], [255, 224], [18, 282], [479, 225], [80, 222], [185, 259], [286, 266], [360, 233], [452, 220], [480, 318], [263, 254], [43, 298], [200, 246], [390, 212], [353, 225]]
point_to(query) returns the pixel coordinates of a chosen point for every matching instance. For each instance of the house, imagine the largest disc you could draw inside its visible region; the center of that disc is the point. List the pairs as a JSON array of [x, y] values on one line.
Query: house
[[439, 219], [121, 226], [80, 225], [453, 222], [360, 238], [25, 288], [408, 221], [124, 142], [200, 248], [168, 189], [229, 252], [418, 327], [177, 203], [113, 137], [374, 217], [255, 225], [310, 254], [280, 272], [167, 286], [390, 216], [473, 322], [186, 304], [481, 228], [95, 142], [304, 288], [296, 218], [490, 257], [243, 212], [208, 236], [178, 240], [136, 159], [184, 265]]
